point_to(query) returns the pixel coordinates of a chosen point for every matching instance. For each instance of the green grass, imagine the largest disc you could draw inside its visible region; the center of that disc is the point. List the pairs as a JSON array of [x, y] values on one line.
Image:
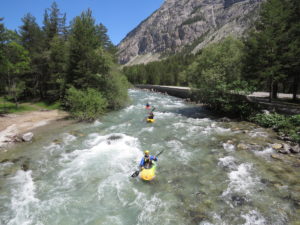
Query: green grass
[[10, 107], [51, 106]]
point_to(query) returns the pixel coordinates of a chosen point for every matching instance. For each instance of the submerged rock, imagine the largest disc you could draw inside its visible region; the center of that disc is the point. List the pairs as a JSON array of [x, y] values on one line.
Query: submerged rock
[[197, 217], [57, 141], [4, 161], [25, 167], [238, 200], [114, 137], [27, 136], [277, 156]]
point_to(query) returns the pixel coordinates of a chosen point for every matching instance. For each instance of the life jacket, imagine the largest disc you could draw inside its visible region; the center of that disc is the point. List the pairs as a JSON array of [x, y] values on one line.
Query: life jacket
[[147, 162], [151, 116]]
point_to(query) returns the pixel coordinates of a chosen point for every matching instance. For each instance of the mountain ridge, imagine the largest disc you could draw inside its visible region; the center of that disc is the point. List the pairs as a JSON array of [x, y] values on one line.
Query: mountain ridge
[[178, 23]]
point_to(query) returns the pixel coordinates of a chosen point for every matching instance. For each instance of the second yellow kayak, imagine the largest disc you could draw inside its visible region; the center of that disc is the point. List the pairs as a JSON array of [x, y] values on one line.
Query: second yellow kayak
[[150, 120]]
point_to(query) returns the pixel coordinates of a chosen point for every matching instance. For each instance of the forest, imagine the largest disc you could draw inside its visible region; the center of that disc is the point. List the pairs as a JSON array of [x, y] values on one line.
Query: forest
[[74, 65]]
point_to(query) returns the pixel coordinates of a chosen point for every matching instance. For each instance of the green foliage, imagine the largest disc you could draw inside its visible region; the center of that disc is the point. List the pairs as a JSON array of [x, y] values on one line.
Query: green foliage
[[88, 60], [15, 63], [49, 106], [272, 48], [274, 120], [7, 106], [287, 125], [168, 72], [42, 63], [216, 74], [116, 85], [85, 105]]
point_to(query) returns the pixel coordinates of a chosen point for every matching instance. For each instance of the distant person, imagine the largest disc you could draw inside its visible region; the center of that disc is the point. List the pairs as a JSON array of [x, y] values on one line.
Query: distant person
[[151, 116], [148, 106], [146, 161]]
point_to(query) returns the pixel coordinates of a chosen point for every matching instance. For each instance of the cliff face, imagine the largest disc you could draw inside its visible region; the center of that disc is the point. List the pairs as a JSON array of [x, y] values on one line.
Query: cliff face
[[181, 23]]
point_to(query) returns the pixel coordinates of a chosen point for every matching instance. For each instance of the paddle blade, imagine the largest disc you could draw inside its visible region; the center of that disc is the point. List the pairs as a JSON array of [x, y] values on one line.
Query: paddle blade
[[135, 174]]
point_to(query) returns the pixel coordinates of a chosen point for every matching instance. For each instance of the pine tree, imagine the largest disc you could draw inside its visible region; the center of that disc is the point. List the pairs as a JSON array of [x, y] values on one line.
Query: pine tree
[[88, 60], [32, 39], [16, 64], [265, 47], [292, 55], [54, 53]]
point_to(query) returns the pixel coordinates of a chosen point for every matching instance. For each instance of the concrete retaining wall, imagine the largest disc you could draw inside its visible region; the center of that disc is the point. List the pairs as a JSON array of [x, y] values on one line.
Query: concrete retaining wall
[[186, 93], [180, 92]]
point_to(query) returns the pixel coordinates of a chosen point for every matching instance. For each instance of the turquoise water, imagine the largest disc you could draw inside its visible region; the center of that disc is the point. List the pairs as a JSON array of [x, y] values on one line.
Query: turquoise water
[[80, 173]]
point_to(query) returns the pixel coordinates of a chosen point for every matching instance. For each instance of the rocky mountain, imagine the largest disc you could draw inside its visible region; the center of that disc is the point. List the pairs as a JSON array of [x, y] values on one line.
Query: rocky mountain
[[186, 24]]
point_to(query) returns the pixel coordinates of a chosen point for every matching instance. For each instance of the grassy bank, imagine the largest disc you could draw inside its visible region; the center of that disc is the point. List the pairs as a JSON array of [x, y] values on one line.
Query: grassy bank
[[10, 107]]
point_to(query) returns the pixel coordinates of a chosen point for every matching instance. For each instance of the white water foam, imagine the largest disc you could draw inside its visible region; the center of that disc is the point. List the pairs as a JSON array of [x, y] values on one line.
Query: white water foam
[[254, 218], [97, 123], [241, 180], [151, 210], [265, 153], [177, 148], [147, 129], [228, 162], [68, 138], [103, 156], [23, 198], [228, 147]]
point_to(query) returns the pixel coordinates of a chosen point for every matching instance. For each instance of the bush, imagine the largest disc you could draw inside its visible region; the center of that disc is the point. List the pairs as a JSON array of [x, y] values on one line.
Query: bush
[[85, 105], [273, 120], [289, 126]]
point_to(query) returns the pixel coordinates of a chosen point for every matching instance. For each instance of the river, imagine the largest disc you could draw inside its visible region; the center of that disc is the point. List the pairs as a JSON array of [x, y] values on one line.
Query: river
[[80, 173]]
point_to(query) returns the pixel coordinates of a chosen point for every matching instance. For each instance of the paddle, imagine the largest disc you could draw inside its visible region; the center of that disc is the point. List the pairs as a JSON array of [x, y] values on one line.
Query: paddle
[[136, 173]]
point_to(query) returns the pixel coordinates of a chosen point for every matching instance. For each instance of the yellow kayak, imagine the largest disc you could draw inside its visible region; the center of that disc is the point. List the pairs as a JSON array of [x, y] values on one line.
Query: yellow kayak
[[148, 174], [150, 120]]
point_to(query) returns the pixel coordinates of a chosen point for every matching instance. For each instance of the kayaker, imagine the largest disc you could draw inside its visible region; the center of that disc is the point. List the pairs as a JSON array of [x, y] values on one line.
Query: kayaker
[[151, 116], [146, 161], [147, 106]]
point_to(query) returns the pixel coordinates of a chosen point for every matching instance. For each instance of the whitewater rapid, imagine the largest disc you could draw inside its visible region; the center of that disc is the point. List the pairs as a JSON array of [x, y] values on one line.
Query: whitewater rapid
[[80, 174]]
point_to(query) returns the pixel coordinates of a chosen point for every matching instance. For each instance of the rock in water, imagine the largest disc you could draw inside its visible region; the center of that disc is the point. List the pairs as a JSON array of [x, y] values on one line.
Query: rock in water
[[277, 146], [242, 146], [27, 136]]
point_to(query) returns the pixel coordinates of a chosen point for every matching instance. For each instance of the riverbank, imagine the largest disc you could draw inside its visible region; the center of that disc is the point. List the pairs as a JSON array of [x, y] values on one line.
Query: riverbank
[[12, 126]]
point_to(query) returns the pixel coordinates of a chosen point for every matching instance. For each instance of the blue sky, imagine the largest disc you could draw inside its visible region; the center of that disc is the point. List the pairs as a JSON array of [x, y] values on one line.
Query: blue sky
[[119, 16]]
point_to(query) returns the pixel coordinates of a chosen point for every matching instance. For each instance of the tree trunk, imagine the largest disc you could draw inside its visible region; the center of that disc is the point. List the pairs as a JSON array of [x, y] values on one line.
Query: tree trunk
[[295, 87], [271, 90], [275, 90], [14, 93]]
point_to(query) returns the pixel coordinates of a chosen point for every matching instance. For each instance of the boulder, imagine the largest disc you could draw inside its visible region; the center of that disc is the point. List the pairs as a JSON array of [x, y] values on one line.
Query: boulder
[[295, 149], [277, 156], [277, 146], [27, 136], [242, 146], [224, 119]]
